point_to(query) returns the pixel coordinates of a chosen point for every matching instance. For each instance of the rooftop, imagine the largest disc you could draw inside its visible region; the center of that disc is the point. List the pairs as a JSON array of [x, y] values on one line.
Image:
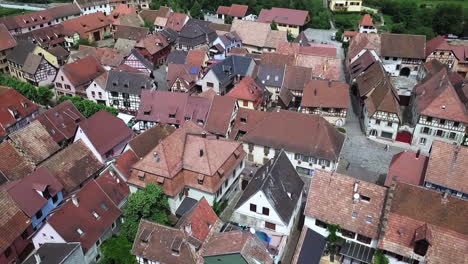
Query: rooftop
[[324, 93], [285, 16], [13, 106], [408, 167]]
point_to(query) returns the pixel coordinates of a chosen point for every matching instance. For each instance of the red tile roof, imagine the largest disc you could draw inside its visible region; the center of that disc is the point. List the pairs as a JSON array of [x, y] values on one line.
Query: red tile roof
[[363, 41], [61, 121], [125, 162], [13, 164], [219, 115], [284, 16], [403, 46], [121, 10], [328, 188], [407, 167], [11, 100], [69, 217], [83, 71], [25, 191], [437, 43], [153, 43], [105, 131], [201, 219], [176, 21], [146, 141], [324, 93], [248, 90], [115, 188], [447, 166], [85, 24], [33, 19], [13, 221], [350, 33], [366, 20], [312, 49], [233, 10], [8, 41], [196, 58]]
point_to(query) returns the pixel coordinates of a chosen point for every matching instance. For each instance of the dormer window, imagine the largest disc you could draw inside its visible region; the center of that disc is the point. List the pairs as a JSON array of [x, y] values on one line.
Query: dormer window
[[171, 115], [96, 215], [104, 207], [24, 104], [364, 198], [369, 219], [80, 231]]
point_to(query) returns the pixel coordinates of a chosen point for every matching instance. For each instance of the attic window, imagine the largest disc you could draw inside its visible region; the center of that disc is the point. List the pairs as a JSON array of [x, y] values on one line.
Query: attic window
[[200, 178], [243, 120], [443, 107], [364, 198], [96, 215], [160, 180], [369, 219], [79, 231], [171, 115], [104, 207], [141, 176], [220, 172], [52, 132], [25, 105], [354, 215]]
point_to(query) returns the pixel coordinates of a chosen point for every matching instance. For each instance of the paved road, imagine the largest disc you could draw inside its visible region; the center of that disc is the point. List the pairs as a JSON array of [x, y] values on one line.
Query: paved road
[[160, 78]]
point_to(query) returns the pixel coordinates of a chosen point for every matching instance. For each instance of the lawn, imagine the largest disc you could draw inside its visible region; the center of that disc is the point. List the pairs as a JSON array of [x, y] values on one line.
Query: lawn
[[12, 12]]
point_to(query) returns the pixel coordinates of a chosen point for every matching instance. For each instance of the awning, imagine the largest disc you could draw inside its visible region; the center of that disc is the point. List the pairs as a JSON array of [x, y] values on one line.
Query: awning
[[357, 251]]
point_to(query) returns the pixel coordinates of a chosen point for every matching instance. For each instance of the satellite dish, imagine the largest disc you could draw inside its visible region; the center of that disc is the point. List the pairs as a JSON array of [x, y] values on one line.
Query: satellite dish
[[252, 230], [356, 196]]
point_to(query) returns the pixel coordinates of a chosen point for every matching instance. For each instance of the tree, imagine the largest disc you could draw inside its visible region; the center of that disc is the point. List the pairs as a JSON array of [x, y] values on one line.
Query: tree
[[87, 107], [196, 11], [149, 25], [333, 240], [380, 258], [448, 19], [150, 203], [274, 26], [116, 250], [85, 42], [44, 95], [41, 95], [290, 36], [228, 19]]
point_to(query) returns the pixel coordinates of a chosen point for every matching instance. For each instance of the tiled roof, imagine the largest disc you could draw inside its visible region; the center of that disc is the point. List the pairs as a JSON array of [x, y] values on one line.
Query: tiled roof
[[275, 130], [324, 93], [285, 16], [183, 72], [8, 41], [349, 33], [115, 188], [274, 38], [59, 52], [13, 221], [83, 71], [281, 185], [25, 192], [65, 10], [12, 101], [361, 64], [219, 115], [127, 82], [13, 164], [130, 32], [244, 29], [233, 10], [444, 220], [35, 142], [196, 32], [271, 75], [407, 167], [152, 43], [363, 41], [33, 19], [277, 60], [232, 66], [176, 21], [403, 46], [55, 252], [106, 56], [31, 64], [311, 49], [121, 10], [45, 37], [61, 121], [196, 57], [105, 131], [69, 217], [323, 67], [20, 52], [86, 23], [73, 165], [366, 21], [333, 188], [89, 3], [146, 141], [177, 57], [296, 77], [248, 90], [125, 162], [201, 219], [447, 166], [437, 43]]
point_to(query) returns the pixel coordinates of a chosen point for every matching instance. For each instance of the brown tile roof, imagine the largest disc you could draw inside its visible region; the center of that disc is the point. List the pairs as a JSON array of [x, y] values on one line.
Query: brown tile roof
[[403, 46], [363, 41], [11, 100], [338, 189], [85, 24], [130, 32], [322, 67], [73, 165], [312, 49], [69, 217], [296, 77], [105, 131], [233, 10], [324, 93], [220, 27], [125, 162], [285, 16], [115, 188], [447, 166], [146, 141], [274, 38], [13, 221], [33, 19], [437, 43], [61, 121], [408, 167], [176, 21], [182, 72], [276, 59], [248, 90], [152, 43], [155, 242], [219, 116], [25, 192], [201, 219], [436, 97], [444, 219], [366, 20], [35, 142], [8, 41], [64, 10], [361, 64], [196, 57], [242, 242], [275, 130], [83, 71], [244, 29], [13, 164]]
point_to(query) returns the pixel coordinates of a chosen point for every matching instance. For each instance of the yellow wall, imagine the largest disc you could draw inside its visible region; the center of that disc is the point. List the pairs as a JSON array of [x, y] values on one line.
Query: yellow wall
[[349, 7], [249, 105], [47, 56], [294, 30]]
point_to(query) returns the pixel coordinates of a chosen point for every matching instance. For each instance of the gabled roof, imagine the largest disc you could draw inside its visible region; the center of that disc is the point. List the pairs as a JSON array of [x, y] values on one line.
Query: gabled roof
[[366, 21], [437, 43], [13, 164], [105, 131], [152, 43], [261, 38], [219, 115], [248, 90], [296, 77], [130, 32], [128, 82], [310, 247], [177, 21], [361, 64], [408, 167], [284, 16], [73, 166], [363, 41], [12, 101], [403, 46], [199, 220], [13, 221], [311, 49], [61, 120], [83, 70], [437, 97], [231, 67], [65, 10], [182, 72], [281, 185], [115, 188], [89, 3], [20, 52], [142, 59], [146, 141], [177, 57], [324, 93], [8, 41], [233, 10], [25, 191], [86, 23], [275, 130], [35, 142], [447, 166], [271, 75], [31, 64], [55, 252], [323, 67], [106, 56], [92, 202], [196, 32], [45, 37], [356, 215]]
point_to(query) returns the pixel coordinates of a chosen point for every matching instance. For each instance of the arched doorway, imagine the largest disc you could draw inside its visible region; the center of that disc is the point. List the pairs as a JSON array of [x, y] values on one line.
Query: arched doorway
[[405, 72]]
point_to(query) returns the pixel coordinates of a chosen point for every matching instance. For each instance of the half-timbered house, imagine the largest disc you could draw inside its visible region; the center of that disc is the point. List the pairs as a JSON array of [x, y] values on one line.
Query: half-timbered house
[[137, 61], [38, 70], [439, 49]]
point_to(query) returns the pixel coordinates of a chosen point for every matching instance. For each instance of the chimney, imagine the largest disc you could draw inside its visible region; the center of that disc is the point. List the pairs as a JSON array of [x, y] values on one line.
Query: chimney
[[75, 200], [315, 92], [329, 83], [203, 134], [418, 153], [356, 185], [156, 156], [445, 197], [37, 257], [201, 152], [188, 229]]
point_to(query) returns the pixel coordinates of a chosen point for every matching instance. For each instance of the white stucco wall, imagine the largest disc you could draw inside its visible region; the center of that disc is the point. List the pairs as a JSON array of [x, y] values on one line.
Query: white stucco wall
[[46, 234], [105, 8], [209, 77], [80, 135], [96, 88]]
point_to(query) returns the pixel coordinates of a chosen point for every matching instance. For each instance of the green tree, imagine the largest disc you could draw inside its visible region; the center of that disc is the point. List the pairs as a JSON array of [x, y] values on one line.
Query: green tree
[[41, 95], [87, 107], [290, 36], [117, 250], [448, 19], [150, 203], [196, 11], [149, 25], [228, 20], [380, 258], [333, 240], [85, 42], [274, 26], [44, 95]]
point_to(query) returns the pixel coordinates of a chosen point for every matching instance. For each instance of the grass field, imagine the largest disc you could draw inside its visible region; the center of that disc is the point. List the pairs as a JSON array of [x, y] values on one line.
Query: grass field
[[434, 3], [12, 12]]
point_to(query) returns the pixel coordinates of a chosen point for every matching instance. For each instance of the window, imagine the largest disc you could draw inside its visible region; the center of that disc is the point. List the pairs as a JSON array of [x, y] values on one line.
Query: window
[[171, 115], [126, 104], [61, 77], [422, 141], [320, 223], [253, 207], [25, 234], [452, 135], [426, 130], [55, 198], [265, 211], [440, 133], [113, 225], [125, 95], [114, 94], [377, 122], [67, 87], [347, 233], [442, 121], [7, 252], [354, 215], [297, 156], [364, 239], [456, 124], [245, 103], [38, 214], [93, 93], [243, 120], [104, 207], [364, 198], [200, 181], [394, 58], [58, 85], [115, 102], [369, 219], [96, 215], [79, 231], [266, 151], [270, 225], [389, 124], [429, 119], [325, 163], [210, 84]]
